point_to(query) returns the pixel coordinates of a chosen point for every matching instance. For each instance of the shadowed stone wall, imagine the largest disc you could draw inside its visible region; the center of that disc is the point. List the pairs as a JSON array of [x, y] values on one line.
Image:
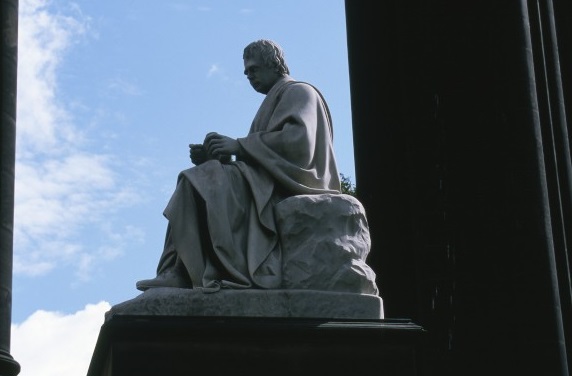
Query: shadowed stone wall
[[462, 157]]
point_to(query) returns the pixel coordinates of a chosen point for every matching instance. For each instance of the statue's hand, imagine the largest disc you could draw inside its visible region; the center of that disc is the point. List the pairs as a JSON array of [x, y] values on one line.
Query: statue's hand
[[198, 153], [225, 158], [219, 146]]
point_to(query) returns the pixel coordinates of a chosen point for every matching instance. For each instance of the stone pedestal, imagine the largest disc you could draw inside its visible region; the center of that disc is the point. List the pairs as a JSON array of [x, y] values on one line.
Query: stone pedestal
[[176, 332], [176, 346]]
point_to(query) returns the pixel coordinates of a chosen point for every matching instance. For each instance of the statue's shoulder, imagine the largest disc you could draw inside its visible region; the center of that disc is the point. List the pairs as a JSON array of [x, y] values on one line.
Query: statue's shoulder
[[299, 89], [299, 85], [306, 89]]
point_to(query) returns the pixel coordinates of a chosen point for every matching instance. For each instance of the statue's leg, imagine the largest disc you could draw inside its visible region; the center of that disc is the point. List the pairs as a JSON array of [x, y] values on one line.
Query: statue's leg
[[170, 272], [188, 230], [169, 255]]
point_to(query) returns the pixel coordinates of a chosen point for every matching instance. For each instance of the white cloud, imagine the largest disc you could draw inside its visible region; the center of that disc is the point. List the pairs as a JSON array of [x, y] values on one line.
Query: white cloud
[[54, 344], [214, 69], [122, 86], [61, 188], [42, 39]]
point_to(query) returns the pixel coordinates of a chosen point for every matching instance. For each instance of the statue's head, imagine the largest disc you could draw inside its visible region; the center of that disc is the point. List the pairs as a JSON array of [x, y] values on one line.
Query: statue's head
[[270, 53]]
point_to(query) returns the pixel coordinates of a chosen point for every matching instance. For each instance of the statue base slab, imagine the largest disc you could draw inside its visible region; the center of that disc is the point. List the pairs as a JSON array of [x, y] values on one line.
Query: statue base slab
[[170, 301]]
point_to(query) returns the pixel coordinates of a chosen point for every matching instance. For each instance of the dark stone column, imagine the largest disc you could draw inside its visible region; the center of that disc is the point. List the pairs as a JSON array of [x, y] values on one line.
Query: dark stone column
[[9, 16], [462, 164]]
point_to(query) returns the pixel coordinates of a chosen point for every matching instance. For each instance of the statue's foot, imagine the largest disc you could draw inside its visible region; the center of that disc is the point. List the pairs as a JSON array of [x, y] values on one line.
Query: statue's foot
[[168, 278]]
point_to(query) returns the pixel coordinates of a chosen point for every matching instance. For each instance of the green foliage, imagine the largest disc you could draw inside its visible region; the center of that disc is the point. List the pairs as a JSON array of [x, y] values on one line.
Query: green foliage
[[348, 187]]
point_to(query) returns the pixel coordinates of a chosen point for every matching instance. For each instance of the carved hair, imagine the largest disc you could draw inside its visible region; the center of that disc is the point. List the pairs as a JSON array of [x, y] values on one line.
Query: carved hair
[[271, 54]]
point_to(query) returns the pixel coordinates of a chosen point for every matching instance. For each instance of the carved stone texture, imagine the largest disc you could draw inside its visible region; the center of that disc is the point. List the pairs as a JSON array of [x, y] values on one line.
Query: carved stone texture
[[170, 301], [325, 242]]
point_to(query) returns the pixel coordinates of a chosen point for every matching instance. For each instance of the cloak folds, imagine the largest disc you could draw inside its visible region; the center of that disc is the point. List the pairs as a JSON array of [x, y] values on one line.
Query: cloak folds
[[288, 151]]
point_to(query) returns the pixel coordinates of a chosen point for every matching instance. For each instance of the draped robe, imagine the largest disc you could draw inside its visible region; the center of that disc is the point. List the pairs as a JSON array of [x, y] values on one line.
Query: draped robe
[[221, 220]]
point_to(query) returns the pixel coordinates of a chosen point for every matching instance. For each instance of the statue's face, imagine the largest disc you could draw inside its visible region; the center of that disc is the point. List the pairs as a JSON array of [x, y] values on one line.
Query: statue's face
[[261, 78]]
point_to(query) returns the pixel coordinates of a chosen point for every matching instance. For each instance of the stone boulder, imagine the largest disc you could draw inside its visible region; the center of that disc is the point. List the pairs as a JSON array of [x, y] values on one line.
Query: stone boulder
[[325, 242]]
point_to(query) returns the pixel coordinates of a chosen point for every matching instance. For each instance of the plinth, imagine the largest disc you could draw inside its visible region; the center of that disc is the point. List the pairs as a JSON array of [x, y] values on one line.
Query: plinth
[[264, 339]]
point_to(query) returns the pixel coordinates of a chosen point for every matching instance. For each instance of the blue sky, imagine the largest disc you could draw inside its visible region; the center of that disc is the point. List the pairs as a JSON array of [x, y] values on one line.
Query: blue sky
[[110, 94]]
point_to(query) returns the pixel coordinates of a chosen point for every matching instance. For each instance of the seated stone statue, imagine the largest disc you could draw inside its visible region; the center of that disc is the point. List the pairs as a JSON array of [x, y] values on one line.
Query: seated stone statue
[[232, 216]]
